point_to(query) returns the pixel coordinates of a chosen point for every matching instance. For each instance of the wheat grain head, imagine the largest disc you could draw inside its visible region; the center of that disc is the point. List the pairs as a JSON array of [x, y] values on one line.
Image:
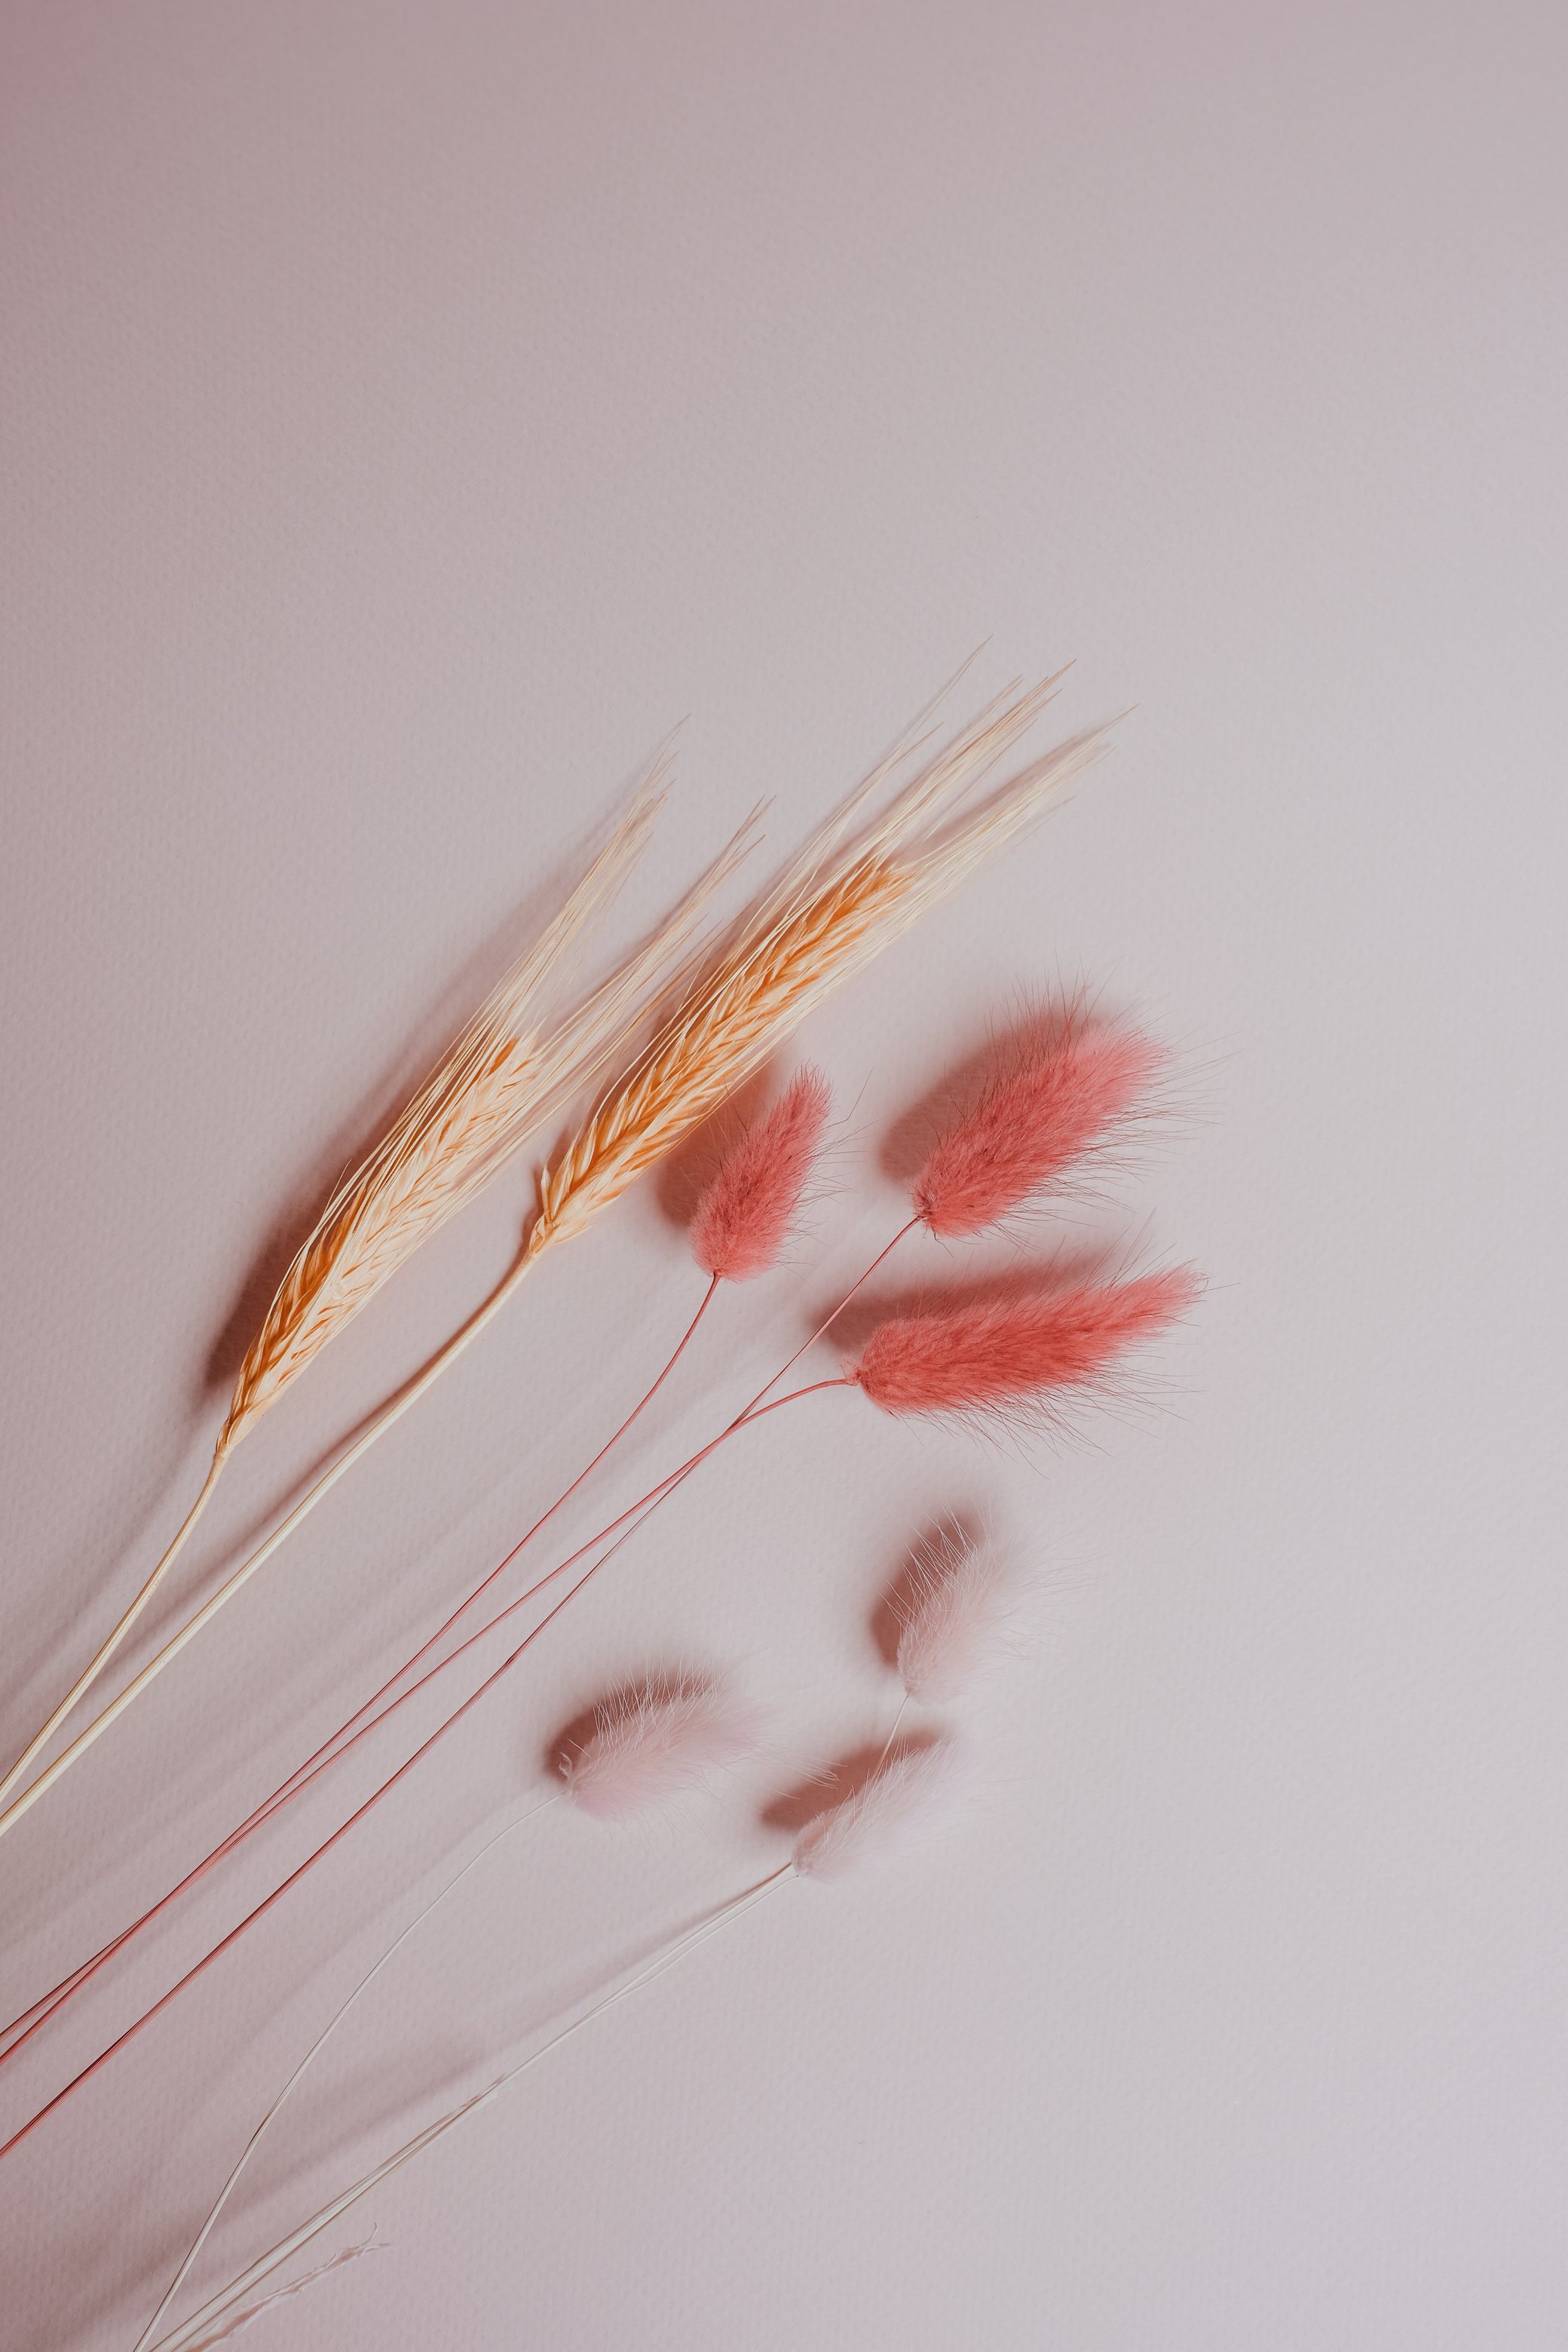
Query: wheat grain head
[[495, 1085]]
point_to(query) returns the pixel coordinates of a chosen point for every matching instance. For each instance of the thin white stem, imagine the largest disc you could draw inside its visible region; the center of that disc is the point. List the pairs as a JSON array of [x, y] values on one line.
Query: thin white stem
[[887, 1744], [243, 2317], [330, 2027], [378, 1428], [187, 2335], [89, 1675]]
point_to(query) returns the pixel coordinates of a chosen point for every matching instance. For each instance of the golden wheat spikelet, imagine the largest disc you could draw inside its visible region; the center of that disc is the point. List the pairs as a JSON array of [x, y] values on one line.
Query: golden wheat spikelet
[[504, 1077], [487, 1094]]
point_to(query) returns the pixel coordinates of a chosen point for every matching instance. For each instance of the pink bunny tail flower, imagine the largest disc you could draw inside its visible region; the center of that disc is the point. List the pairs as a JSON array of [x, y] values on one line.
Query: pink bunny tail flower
[[651, 1741], [1066, 1086], [746, 1210], [904, 1797], [1015, 1351]]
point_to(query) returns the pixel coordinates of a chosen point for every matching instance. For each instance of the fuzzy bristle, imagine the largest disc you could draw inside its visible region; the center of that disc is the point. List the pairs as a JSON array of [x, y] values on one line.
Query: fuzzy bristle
[[748, 1208], [1065, 1087], [884, 1815], [651, 1741], [1008, 1352], [952, 1605]]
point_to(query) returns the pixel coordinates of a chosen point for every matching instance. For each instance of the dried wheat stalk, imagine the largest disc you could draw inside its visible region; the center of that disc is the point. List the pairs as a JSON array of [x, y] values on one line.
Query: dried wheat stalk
[[484, 1099], [502, 1078]]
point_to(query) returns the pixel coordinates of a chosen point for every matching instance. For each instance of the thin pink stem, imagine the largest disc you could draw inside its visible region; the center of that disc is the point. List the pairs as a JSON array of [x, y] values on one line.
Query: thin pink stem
[[44, 2008], [491, 1679], [561, 1500], [856, 1285]]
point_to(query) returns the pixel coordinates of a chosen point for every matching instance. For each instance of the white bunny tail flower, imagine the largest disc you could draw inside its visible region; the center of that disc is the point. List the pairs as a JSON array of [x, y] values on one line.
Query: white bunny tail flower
[[952, 1605], [885, 1813], [651, 1741]]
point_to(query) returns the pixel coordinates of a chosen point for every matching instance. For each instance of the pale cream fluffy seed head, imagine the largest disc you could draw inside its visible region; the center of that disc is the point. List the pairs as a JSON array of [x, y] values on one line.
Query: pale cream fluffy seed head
[[651, 1741], [904, 1796]]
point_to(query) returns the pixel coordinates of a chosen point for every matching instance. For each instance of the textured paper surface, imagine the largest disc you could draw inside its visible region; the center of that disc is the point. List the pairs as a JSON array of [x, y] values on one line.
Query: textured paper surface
[[415, 411]]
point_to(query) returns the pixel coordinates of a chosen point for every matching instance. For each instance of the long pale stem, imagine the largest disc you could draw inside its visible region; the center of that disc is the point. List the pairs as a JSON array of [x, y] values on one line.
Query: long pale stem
[[187, 2337], [383, 1421], [89, 1675], [330, 2027]]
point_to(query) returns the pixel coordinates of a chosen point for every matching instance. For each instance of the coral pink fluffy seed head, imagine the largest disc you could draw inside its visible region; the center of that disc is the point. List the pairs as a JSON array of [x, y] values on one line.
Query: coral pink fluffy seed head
[[885, 1814], [652, 1741], [1066, 1086], [1012, 1351], [746, 1210]]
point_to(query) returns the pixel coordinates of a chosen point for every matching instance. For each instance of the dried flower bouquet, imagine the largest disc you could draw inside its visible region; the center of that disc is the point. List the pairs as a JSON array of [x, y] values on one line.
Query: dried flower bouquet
[[1068, 1088], [688, 1024]]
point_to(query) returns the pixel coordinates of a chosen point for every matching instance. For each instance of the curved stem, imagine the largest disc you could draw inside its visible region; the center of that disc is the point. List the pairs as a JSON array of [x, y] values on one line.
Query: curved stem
[[383, 1421], [85, 1681], [280, 1794], [858, 1284], [187, 2335], [331, 2025]]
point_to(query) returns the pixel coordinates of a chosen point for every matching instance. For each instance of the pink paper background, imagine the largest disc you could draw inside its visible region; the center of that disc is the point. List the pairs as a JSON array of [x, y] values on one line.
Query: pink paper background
[[413, 411]]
